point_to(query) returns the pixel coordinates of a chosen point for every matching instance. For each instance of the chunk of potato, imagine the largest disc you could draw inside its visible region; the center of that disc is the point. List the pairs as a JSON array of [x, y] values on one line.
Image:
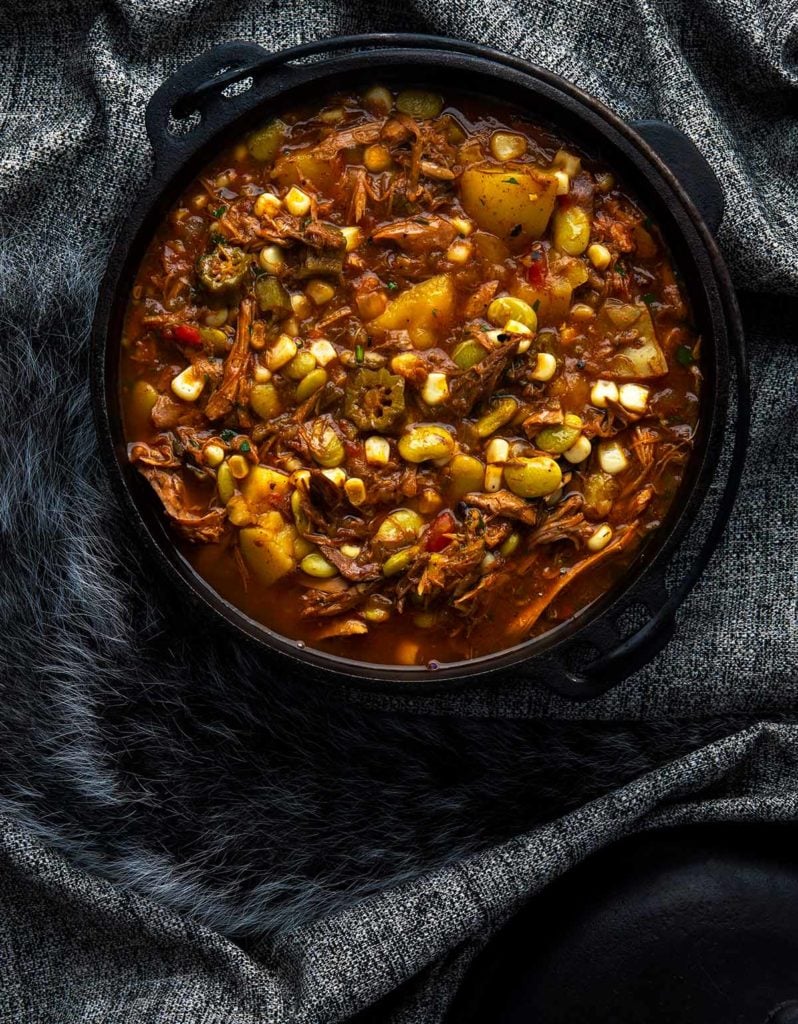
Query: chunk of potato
[[640, 359], [425, 305], [553, 299], [268, 550], [299, 166], [263, 487], [513, 202]]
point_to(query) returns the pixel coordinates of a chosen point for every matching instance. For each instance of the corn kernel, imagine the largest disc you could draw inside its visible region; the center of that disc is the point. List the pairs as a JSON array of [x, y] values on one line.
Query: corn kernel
[[301, 476], [261, 373], [459, 252], [579, 450], [213, 454], [436, 389], [599, 255], [282, 352], [301, 305], [323, 351], [498, 450], [353, 237], [603, 391], [493, 478], [581, 311], [355, 490], [319, 291], [612, 458], [188, 385], [350, 550], [271, 258], [600, 538], [429, 501], [633, 397], [404, 363], [378, 450], [267, 204], [464, 226], [516, 327], [565, 161], [336, 474], [297, 201], [545, 366], [239, 466]]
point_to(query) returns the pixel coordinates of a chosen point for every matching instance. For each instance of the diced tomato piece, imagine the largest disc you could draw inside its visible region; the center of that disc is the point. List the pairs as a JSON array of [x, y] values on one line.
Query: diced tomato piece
[[439, 533], [187, 335], [538, 269]]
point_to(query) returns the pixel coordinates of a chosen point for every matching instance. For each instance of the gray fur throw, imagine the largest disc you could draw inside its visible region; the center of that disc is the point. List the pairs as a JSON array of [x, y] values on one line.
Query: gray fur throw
[[187, 835]]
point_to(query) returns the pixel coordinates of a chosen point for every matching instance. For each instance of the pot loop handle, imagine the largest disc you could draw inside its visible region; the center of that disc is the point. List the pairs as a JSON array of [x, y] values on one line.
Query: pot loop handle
[[195, 88]]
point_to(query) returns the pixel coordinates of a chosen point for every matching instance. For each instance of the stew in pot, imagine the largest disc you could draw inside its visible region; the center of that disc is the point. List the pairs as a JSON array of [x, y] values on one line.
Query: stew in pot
[[412, 377]]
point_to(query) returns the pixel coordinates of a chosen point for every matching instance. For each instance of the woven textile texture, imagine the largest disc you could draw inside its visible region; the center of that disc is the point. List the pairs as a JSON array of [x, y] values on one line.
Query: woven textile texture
[[185, 839]]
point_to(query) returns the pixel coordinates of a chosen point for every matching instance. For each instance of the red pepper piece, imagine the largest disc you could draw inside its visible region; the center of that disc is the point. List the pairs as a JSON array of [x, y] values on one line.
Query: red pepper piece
[[439, 533], [538, 269], [188, 335]]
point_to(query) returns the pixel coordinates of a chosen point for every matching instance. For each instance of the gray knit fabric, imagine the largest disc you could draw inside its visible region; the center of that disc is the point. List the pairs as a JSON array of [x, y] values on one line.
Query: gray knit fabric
[[76, 78]]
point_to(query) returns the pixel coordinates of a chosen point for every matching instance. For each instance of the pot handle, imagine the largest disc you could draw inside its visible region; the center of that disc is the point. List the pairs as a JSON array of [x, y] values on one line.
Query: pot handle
[[177, 98], [618, 660], [199, 87], [690, 167]]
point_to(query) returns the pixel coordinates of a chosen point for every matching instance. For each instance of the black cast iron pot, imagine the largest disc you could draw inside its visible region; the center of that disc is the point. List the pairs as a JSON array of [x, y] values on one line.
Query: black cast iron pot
[[235, 86]]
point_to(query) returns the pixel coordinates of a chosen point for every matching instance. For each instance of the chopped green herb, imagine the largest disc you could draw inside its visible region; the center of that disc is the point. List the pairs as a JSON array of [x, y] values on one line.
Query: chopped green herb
[[510, 181], [620, 269], [391, 286], [227, 435], [684, 355], [220, 211], [359, 353], [649, 297], [245, 447]]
